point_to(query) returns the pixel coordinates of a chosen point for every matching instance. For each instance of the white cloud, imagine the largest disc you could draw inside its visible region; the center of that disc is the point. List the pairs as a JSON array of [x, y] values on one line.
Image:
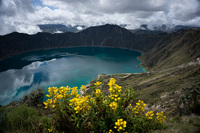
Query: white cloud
[[58, 32], [14, 17], [131, 12], [21, 16], [79, 28], [185, 10]]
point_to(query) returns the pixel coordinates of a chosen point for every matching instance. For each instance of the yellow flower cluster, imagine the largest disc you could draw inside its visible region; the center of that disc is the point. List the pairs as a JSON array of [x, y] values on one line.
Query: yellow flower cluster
[[49, 103], [51, 129], [52, 91], [139, 108], [64, 91], [114, 89], [113, 105], [74, 92], [83, 88], [97, 83], [120, 125], [114, 97], [56, 94], [98, 92], [160, 117], [80, 104], [149, 114]]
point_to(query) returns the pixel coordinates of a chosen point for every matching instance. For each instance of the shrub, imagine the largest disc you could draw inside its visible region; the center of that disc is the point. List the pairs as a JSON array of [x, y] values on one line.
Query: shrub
[[98, 112], [190, 99], [34, 98]]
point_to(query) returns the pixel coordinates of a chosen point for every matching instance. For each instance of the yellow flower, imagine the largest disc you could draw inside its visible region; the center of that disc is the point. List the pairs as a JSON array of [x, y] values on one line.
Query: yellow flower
[[80, 104], [55, 95], [160, 117], [110, 131], [51, 129], [83, 88], [77, 108], [64, 91], [48, 103], [98, 92], [74, 92], [48, 95], [111, 82], [120, 125], [97, 83], [113, 105], [139, 108], [114, 89], [52, 91], [149, 114]]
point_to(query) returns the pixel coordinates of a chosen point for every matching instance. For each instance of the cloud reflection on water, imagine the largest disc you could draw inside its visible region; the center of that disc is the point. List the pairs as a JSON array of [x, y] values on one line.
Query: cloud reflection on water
[[15, 83], [14, 79]]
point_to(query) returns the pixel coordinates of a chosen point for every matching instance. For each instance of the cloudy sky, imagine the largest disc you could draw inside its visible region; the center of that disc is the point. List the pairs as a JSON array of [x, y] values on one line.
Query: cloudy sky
[[24, 15]]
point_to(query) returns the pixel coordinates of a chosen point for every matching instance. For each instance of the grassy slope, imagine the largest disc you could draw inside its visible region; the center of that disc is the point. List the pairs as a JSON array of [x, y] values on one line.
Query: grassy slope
[[172, 50], [151, 86]]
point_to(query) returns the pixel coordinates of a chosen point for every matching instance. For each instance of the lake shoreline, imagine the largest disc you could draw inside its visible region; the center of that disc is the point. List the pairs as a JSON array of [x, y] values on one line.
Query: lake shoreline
[[85, 46], [18, 53]]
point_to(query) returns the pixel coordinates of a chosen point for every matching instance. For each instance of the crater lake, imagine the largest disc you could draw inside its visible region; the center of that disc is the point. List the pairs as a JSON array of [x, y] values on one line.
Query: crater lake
[[20, 74]]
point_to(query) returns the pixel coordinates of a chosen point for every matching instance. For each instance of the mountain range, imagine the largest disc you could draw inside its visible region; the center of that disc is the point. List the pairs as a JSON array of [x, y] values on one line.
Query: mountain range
[[144, 28], [160, 50]]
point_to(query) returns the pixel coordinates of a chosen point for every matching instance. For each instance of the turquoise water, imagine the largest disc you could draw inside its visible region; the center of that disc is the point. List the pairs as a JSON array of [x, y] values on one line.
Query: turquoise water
[[61, 67]]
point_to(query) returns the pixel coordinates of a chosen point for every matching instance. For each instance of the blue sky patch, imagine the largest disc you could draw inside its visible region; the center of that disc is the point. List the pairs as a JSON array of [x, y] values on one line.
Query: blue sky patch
[[39, 3]]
